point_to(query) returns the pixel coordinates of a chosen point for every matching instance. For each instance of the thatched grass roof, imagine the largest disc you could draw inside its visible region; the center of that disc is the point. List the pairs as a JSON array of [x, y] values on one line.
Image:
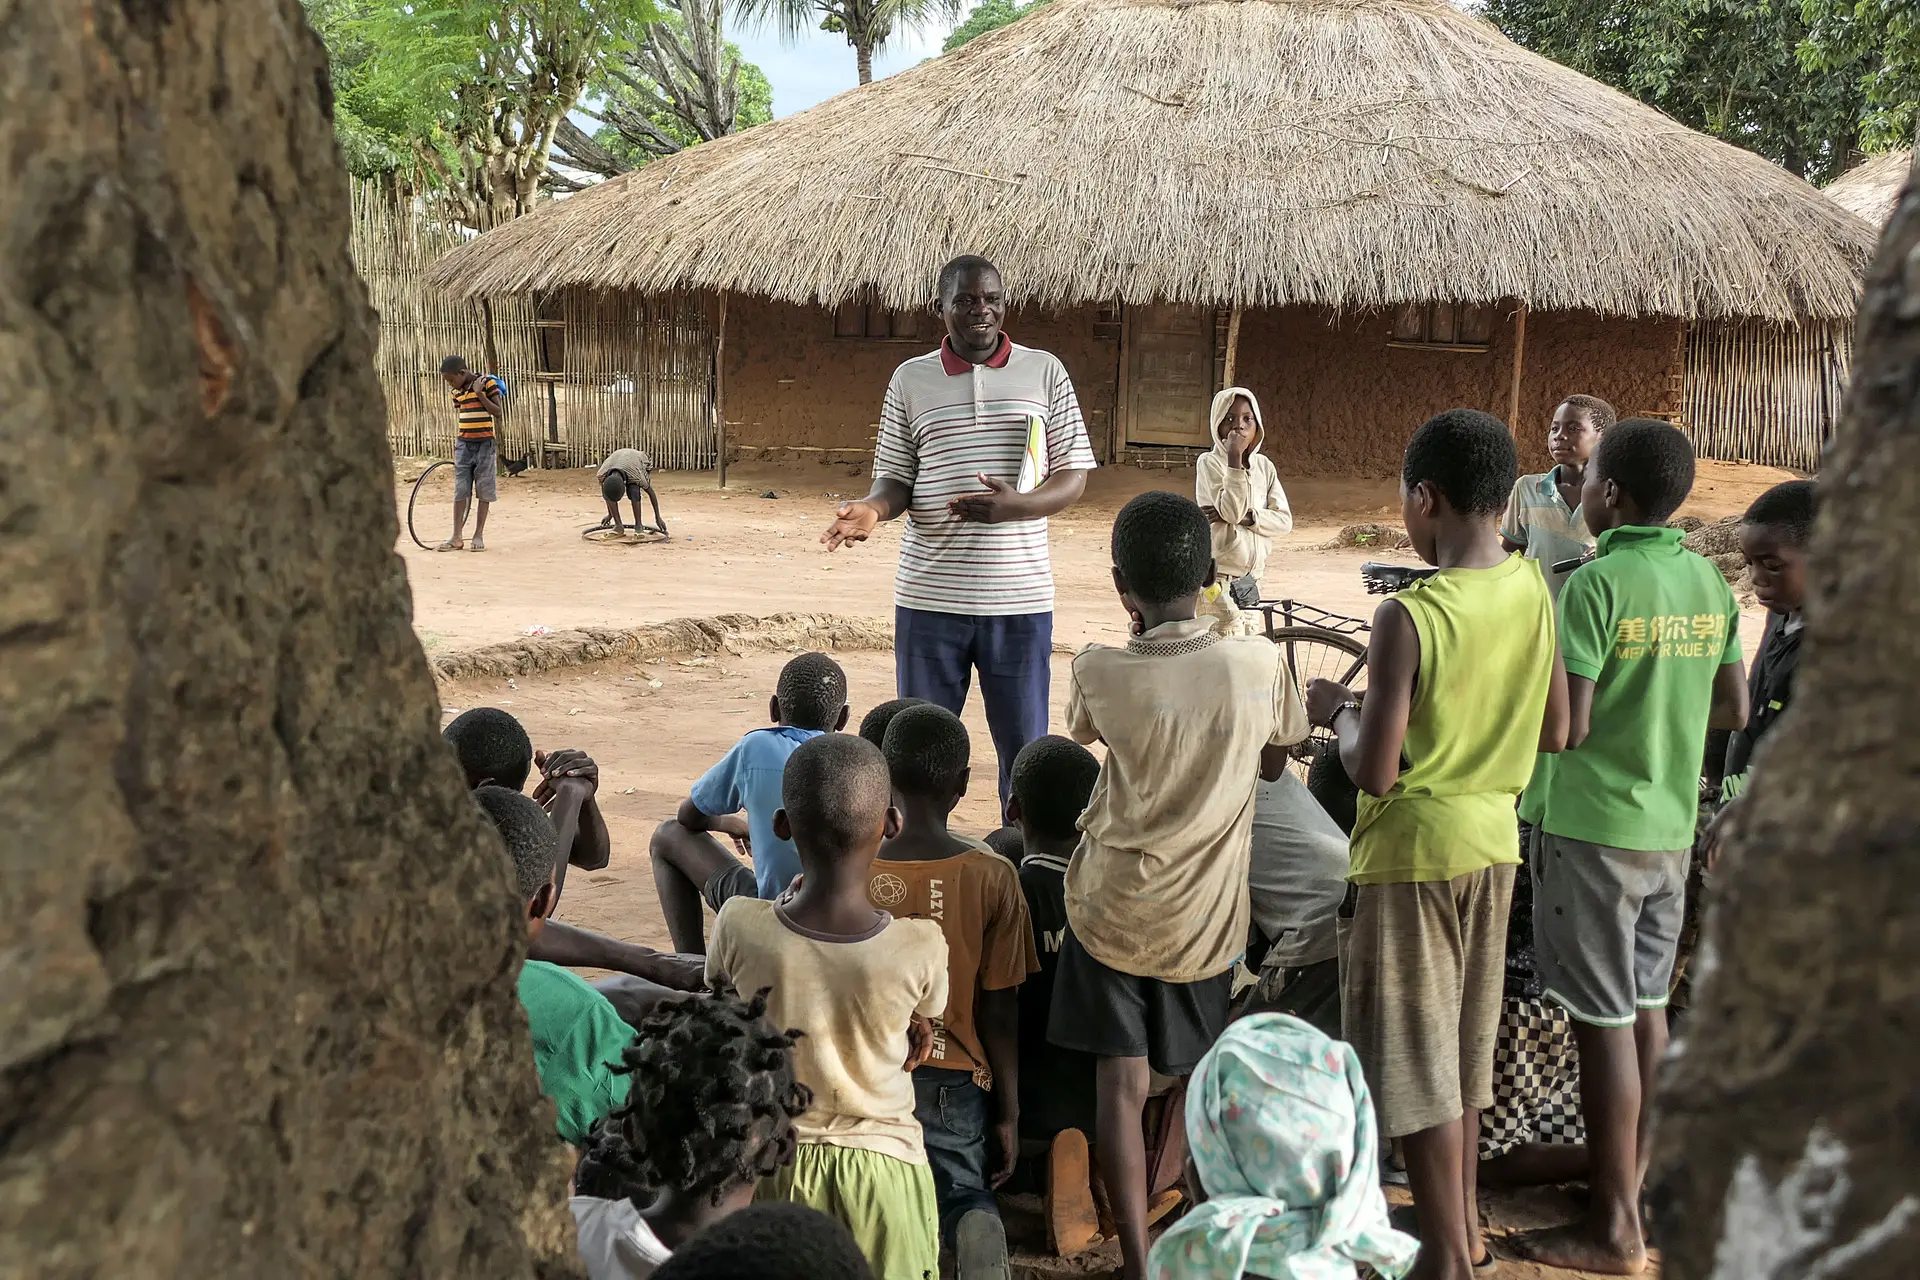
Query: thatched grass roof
[[1871, 188], [1352, 153]]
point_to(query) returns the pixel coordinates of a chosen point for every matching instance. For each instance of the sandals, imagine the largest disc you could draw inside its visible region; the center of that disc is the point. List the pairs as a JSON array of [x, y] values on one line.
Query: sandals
[[452, 544], [479, 543]]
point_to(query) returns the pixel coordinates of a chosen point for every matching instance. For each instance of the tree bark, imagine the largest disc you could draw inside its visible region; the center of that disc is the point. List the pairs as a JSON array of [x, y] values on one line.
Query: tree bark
[[1789, 1138], [863, 58], [259, 1015]]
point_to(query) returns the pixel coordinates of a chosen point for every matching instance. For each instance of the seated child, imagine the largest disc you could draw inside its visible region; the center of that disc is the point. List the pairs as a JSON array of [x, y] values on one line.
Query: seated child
[[1532, 1134], [788, 1241], [1282, 1133], [709, 1113], [1239, 492], [578, 1040], [1464, 686], [627, 473], [689, 864], [973, 894], [1053, 777], [1651, 637], [1157, 889], [1542, 519], [493, 749], [1297, 880], [851, 978], [873, 725]]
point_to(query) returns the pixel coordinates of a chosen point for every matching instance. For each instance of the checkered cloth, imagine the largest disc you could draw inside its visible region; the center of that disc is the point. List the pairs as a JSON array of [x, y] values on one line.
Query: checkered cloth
[[1536, 1080]]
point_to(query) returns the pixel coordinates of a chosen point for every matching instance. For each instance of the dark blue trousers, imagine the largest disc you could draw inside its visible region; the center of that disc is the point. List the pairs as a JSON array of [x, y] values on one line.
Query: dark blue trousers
[[935, 655]]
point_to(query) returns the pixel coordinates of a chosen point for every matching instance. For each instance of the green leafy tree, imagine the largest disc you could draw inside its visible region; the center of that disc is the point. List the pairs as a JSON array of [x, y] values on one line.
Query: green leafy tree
[[684, 84], [1881, 39], [1748, 71], [478, 89], [372, 131], [989, 15], [867, 24]]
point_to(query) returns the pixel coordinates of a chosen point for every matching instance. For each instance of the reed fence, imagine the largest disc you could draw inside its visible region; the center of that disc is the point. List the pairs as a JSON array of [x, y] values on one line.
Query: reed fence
[[1766, 393], [586, 372]]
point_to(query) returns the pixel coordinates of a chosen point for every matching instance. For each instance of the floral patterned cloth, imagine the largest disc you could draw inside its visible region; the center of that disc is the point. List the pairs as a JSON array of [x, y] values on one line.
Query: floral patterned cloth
[[1282, 1134]]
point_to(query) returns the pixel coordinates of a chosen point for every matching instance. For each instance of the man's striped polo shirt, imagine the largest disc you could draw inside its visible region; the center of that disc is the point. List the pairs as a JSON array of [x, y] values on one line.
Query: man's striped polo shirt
[[945, 422]]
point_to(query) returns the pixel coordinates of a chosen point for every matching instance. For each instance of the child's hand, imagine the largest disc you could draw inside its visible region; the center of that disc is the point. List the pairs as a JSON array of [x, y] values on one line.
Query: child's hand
[[568, 762], [1716, 838], [1008, 1132], [919, 1042], [1212, 514], [1324, 697], [853, 522]]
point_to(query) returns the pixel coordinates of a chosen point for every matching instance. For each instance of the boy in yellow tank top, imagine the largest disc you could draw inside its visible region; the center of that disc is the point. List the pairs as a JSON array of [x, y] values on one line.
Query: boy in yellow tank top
[[1464, 685]]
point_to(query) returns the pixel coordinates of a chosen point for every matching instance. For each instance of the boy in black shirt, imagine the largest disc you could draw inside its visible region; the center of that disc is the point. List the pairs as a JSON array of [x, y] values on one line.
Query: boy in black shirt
[[1053, 778]]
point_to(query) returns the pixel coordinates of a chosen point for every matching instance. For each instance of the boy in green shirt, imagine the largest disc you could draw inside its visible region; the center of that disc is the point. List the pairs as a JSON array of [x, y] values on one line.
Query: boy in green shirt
[[579, 1042], [1464, 685], [1650, 633]]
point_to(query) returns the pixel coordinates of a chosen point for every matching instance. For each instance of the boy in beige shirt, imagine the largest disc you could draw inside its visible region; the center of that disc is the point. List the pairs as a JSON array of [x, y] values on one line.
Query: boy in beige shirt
[[1157, 890], [852, 978]]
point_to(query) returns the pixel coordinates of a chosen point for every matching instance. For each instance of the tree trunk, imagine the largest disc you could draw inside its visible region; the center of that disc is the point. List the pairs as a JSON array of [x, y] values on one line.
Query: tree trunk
[[1789, 1140], [863, 58], [260, 948]]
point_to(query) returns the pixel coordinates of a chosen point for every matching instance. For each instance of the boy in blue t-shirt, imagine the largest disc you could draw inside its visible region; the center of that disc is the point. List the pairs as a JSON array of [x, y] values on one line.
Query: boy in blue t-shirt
[[689, 863], [1650, 635]]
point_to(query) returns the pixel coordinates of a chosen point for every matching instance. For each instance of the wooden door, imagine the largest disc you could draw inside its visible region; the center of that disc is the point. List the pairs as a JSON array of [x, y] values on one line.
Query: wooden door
[[1169, 375]]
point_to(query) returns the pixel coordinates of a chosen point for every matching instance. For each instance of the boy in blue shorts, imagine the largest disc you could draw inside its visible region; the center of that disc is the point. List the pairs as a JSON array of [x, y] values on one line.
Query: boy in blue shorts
[[1650, 635], [689, 864]]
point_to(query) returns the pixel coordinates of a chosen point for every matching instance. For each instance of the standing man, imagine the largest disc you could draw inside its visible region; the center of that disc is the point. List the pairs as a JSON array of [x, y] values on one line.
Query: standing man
[[980, 442], [479, 401]]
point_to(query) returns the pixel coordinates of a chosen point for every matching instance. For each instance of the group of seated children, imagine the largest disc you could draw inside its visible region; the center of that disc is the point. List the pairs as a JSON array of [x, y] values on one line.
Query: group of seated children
[[920, 1008]]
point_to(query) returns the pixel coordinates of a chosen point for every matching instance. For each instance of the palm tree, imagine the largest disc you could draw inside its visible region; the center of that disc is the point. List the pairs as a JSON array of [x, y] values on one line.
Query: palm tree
[[866, 23]]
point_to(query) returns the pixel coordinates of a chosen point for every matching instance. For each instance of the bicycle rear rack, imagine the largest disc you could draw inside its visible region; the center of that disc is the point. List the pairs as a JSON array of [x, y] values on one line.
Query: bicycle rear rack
[[1298, 613]]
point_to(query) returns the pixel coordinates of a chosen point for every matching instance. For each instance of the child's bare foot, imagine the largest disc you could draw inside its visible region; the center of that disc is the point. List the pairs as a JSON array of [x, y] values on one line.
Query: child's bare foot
[[1071, 1217], [1577, 1247], [479, 543]]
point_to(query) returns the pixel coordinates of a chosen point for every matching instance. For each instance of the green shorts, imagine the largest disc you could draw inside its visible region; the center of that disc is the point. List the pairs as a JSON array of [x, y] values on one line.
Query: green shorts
[[885, 1202]]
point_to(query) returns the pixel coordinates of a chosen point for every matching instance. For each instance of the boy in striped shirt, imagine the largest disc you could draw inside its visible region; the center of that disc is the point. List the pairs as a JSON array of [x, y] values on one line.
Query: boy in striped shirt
[[479, 401]]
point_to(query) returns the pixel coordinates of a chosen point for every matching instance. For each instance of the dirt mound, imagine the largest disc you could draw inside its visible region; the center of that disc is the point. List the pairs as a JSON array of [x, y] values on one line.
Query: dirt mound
[[728, 633], [1383, 536], [1687, 524], [1716, 539]]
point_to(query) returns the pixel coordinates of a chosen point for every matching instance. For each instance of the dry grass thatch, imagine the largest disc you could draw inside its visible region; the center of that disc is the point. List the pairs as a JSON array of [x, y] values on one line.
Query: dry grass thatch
[[1871, 188], [1349, 153]]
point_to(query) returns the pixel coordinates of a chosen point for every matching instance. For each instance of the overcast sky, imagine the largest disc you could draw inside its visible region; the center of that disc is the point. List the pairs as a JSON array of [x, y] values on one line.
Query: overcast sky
[[821, 64]]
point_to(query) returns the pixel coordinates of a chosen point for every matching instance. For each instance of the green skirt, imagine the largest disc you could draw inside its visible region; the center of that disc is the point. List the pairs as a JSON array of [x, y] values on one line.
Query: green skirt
[[886, 1203]]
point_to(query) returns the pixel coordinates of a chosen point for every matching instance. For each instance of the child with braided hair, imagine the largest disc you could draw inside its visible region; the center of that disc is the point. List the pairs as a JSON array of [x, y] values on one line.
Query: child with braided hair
[[709, 1112]]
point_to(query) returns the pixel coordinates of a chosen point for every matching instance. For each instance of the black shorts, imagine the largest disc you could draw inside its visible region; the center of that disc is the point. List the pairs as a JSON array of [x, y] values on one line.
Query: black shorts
[[1111, 1014], [734, 881]]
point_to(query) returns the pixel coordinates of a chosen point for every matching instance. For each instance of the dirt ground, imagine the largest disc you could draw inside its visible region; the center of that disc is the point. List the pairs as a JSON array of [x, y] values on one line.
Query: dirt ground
[[655, 725]]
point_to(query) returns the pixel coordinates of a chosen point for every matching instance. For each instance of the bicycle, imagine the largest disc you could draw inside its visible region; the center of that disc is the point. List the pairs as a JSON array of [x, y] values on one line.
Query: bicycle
[[1321, 644]]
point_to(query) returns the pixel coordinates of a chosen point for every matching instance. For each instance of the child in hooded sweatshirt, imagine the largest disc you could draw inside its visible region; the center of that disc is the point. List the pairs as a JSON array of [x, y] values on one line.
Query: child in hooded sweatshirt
[[1239, 491]]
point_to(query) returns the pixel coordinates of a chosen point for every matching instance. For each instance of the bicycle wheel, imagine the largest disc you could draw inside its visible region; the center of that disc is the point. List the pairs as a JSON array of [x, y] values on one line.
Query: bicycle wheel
[[1315, 653], [431, 499]]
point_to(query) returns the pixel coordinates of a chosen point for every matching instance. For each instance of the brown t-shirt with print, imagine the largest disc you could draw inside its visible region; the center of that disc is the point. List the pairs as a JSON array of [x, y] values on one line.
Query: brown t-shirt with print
[[975, 898]]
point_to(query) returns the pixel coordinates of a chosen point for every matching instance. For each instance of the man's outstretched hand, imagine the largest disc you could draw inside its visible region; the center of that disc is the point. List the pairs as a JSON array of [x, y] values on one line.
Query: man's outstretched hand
[[999, 503], [852, 523]]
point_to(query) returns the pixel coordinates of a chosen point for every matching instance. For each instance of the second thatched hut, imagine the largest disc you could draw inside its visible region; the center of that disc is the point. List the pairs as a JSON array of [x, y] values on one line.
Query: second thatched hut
[[1365, 210]]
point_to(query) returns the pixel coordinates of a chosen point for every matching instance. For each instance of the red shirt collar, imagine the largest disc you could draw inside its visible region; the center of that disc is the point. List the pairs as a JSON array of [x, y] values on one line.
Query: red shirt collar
[[955, 366]]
